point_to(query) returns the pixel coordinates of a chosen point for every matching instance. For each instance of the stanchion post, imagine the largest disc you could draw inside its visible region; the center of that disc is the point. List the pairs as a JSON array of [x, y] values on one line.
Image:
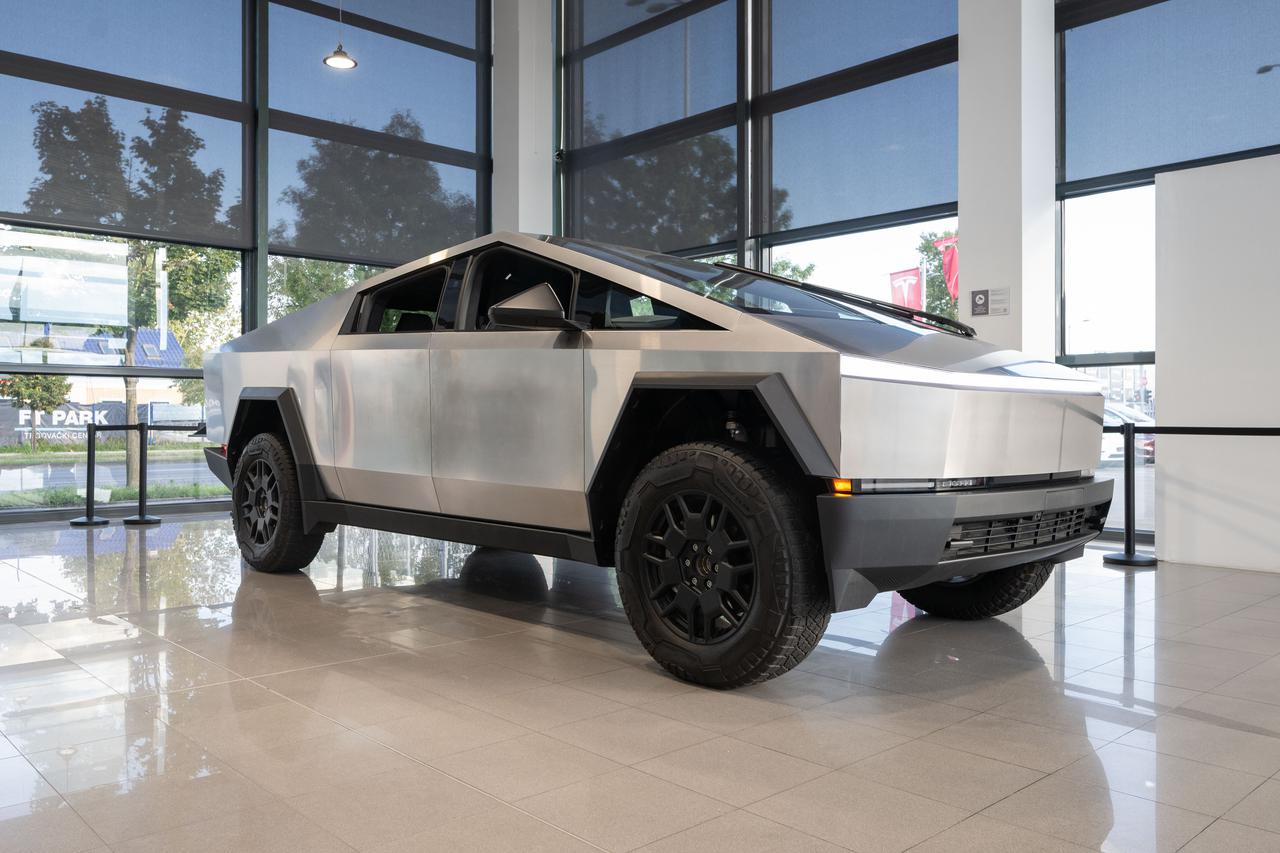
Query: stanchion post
[[1130, 555], [142, 517], [89, 519]]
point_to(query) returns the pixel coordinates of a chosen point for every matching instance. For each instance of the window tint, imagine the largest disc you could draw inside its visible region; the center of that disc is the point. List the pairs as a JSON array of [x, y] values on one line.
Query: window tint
[[604, 305], [447, 318], [407, 305], [503, 273]]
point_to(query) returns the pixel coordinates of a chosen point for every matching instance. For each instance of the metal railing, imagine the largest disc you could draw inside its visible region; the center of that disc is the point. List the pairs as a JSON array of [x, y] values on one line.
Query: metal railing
[[144, 430], [1130, 556]]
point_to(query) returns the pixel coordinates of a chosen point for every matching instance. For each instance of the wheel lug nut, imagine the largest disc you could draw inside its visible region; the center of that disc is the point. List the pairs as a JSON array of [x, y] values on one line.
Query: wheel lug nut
[[688, 563], [708, 584], [695, 546]]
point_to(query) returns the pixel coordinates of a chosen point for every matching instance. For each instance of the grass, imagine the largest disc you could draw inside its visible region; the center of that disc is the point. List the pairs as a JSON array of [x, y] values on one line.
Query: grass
[[62, 496], [109, 450]]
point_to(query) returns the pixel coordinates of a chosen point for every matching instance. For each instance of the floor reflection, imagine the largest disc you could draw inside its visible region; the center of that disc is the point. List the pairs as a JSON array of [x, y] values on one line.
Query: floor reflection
[[150, 684]]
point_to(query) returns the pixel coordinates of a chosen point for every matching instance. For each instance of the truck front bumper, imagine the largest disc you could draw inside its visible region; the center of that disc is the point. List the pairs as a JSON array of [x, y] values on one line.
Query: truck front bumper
[[874, 543]]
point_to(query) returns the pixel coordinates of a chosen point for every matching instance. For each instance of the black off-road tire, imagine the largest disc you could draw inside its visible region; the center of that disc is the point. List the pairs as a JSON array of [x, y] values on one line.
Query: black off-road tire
[[982, 596], [266, 479], [787, 605]]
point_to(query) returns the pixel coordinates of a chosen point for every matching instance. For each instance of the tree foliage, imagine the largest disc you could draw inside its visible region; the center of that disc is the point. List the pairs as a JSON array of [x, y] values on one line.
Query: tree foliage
[[936, 297], [374, 203], [294, 283], [679, 195], [81, 163], [36, 392]]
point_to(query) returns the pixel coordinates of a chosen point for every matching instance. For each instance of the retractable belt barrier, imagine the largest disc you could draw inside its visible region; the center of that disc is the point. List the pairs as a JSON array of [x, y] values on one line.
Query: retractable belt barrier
[[144, 430], [1130, 556]]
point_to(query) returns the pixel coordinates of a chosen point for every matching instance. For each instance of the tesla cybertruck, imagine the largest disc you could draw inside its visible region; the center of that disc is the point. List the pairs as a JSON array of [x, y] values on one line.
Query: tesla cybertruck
[[751, 453]]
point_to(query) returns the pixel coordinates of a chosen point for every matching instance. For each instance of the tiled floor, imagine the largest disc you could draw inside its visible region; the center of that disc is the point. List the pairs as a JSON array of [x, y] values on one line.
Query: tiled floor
[[408, 695]]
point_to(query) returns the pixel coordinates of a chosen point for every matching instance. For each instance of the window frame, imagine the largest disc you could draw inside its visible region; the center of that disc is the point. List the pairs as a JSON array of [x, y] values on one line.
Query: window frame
[[365, 300], [469, 295]]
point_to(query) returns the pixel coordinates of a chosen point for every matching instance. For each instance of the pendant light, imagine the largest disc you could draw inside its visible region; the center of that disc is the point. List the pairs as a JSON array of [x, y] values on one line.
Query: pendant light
[[340, 59]]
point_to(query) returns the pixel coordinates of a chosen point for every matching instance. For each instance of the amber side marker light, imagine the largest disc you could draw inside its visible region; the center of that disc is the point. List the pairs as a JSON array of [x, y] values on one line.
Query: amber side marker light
[[842, 487]]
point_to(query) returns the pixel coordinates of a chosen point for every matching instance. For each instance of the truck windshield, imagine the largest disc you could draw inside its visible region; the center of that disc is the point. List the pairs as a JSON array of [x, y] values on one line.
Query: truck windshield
[[746, 292]]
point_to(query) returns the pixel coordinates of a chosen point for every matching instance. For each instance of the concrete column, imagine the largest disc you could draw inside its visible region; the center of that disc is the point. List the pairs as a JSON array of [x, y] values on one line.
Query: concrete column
[[523, 115], [1006, 169]]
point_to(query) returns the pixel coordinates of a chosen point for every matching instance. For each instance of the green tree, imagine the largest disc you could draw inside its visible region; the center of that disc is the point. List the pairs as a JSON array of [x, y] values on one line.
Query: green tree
[[36, 392], [172, 193], [680, 195], [82, 164], [294, 283], [374, 202], [791, 269], [936, 297]]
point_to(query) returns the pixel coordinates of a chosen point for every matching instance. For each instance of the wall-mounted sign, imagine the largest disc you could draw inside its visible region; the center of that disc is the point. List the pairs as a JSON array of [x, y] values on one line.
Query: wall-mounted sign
[[979, 303]]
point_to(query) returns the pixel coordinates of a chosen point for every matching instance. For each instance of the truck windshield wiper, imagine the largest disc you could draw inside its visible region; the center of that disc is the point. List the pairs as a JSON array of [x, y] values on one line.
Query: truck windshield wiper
[[926, 317]]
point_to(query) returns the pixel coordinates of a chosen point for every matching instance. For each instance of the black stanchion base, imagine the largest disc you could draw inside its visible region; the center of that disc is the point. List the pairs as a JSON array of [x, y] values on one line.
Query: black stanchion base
[[1120, 558], [142, 520], [89, 521]]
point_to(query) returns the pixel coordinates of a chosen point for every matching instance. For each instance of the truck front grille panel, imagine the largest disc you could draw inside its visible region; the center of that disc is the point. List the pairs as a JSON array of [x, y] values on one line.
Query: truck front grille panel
[[1019, 533]]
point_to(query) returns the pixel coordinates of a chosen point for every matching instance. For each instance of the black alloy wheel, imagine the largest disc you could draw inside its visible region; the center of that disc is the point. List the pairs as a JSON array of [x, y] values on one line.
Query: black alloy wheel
[[701, 572], [260, 503], [268, 507]]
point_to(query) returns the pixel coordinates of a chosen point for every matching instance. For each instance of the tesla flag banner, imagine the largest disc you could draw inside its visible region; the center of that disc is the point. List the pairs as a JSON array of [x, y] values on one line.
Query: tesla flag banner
[[950, 249], [905, 287]]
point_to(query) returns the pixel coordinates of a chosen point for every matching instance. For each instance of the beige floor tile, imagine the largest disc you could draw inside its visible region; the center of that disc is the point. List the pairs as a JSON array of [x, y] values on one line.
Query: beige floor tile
[[160, 751], [157, 667], [1261, 684], [630, 735], [155, 804], [390, 806], [64, 692], [527, 765], [1260, 809], [623, 810], [862, 815], [737, 832], [1218, 743], [1188, 676], [1074, 712], [820, 737], [444, 728], [45, 826], [299, 767], [718, 710], [969, 782], [633, 685], [980, 834], [896, 712], [1166, 779], [1223, 835], [800, 689], [1261, 718], [350, 701], [1098, 818], [255, 728], [270, 828], [497, 828], [479, 682], [549, 661], [96, 719], [1015, 742], [546, 707], [731, 770], [20, 782]]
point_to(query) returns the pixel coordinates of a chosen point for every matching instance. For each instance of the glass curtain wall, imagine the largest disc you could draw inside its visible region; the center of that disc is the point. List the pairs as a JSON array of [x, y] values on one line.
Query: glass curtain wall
[[1195, 83], [763, 130], [173, 178]]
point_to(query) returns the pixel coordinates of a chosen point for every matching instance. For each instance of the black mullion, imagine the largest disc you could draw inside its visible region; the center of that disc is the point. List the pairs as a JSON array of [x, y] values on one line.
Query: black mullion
[[70, 369], [744, 23], [1107, 359], [572, 106], [116, 86], [860, 224], [374, 25], [761, 165], [1077, 13], [254, 268], [1147, 175], [934, 54], [484, 118], [333, 257], [654, 137], [208, 241], [392, 144], [649, 25]]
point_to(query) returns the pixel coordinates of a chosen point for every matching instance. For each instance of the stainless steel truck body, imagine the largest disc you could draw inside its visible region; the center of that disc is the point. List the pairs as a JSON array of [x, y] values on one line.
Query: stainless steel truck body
[[751, 453]]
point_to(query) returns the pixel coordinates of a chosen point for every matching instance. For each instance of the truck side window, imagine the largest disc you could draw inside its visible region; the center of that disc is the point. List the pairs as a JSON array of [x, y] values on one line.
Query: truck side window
[[503, 273], [406, 305], [447, 317], [602, 304]]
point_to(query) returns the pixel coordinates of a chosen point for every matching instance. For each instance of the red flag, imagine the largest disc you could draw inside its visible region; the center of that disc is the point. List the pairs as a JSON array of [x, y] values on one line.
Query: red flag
[[950, 263], [905, 288]]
